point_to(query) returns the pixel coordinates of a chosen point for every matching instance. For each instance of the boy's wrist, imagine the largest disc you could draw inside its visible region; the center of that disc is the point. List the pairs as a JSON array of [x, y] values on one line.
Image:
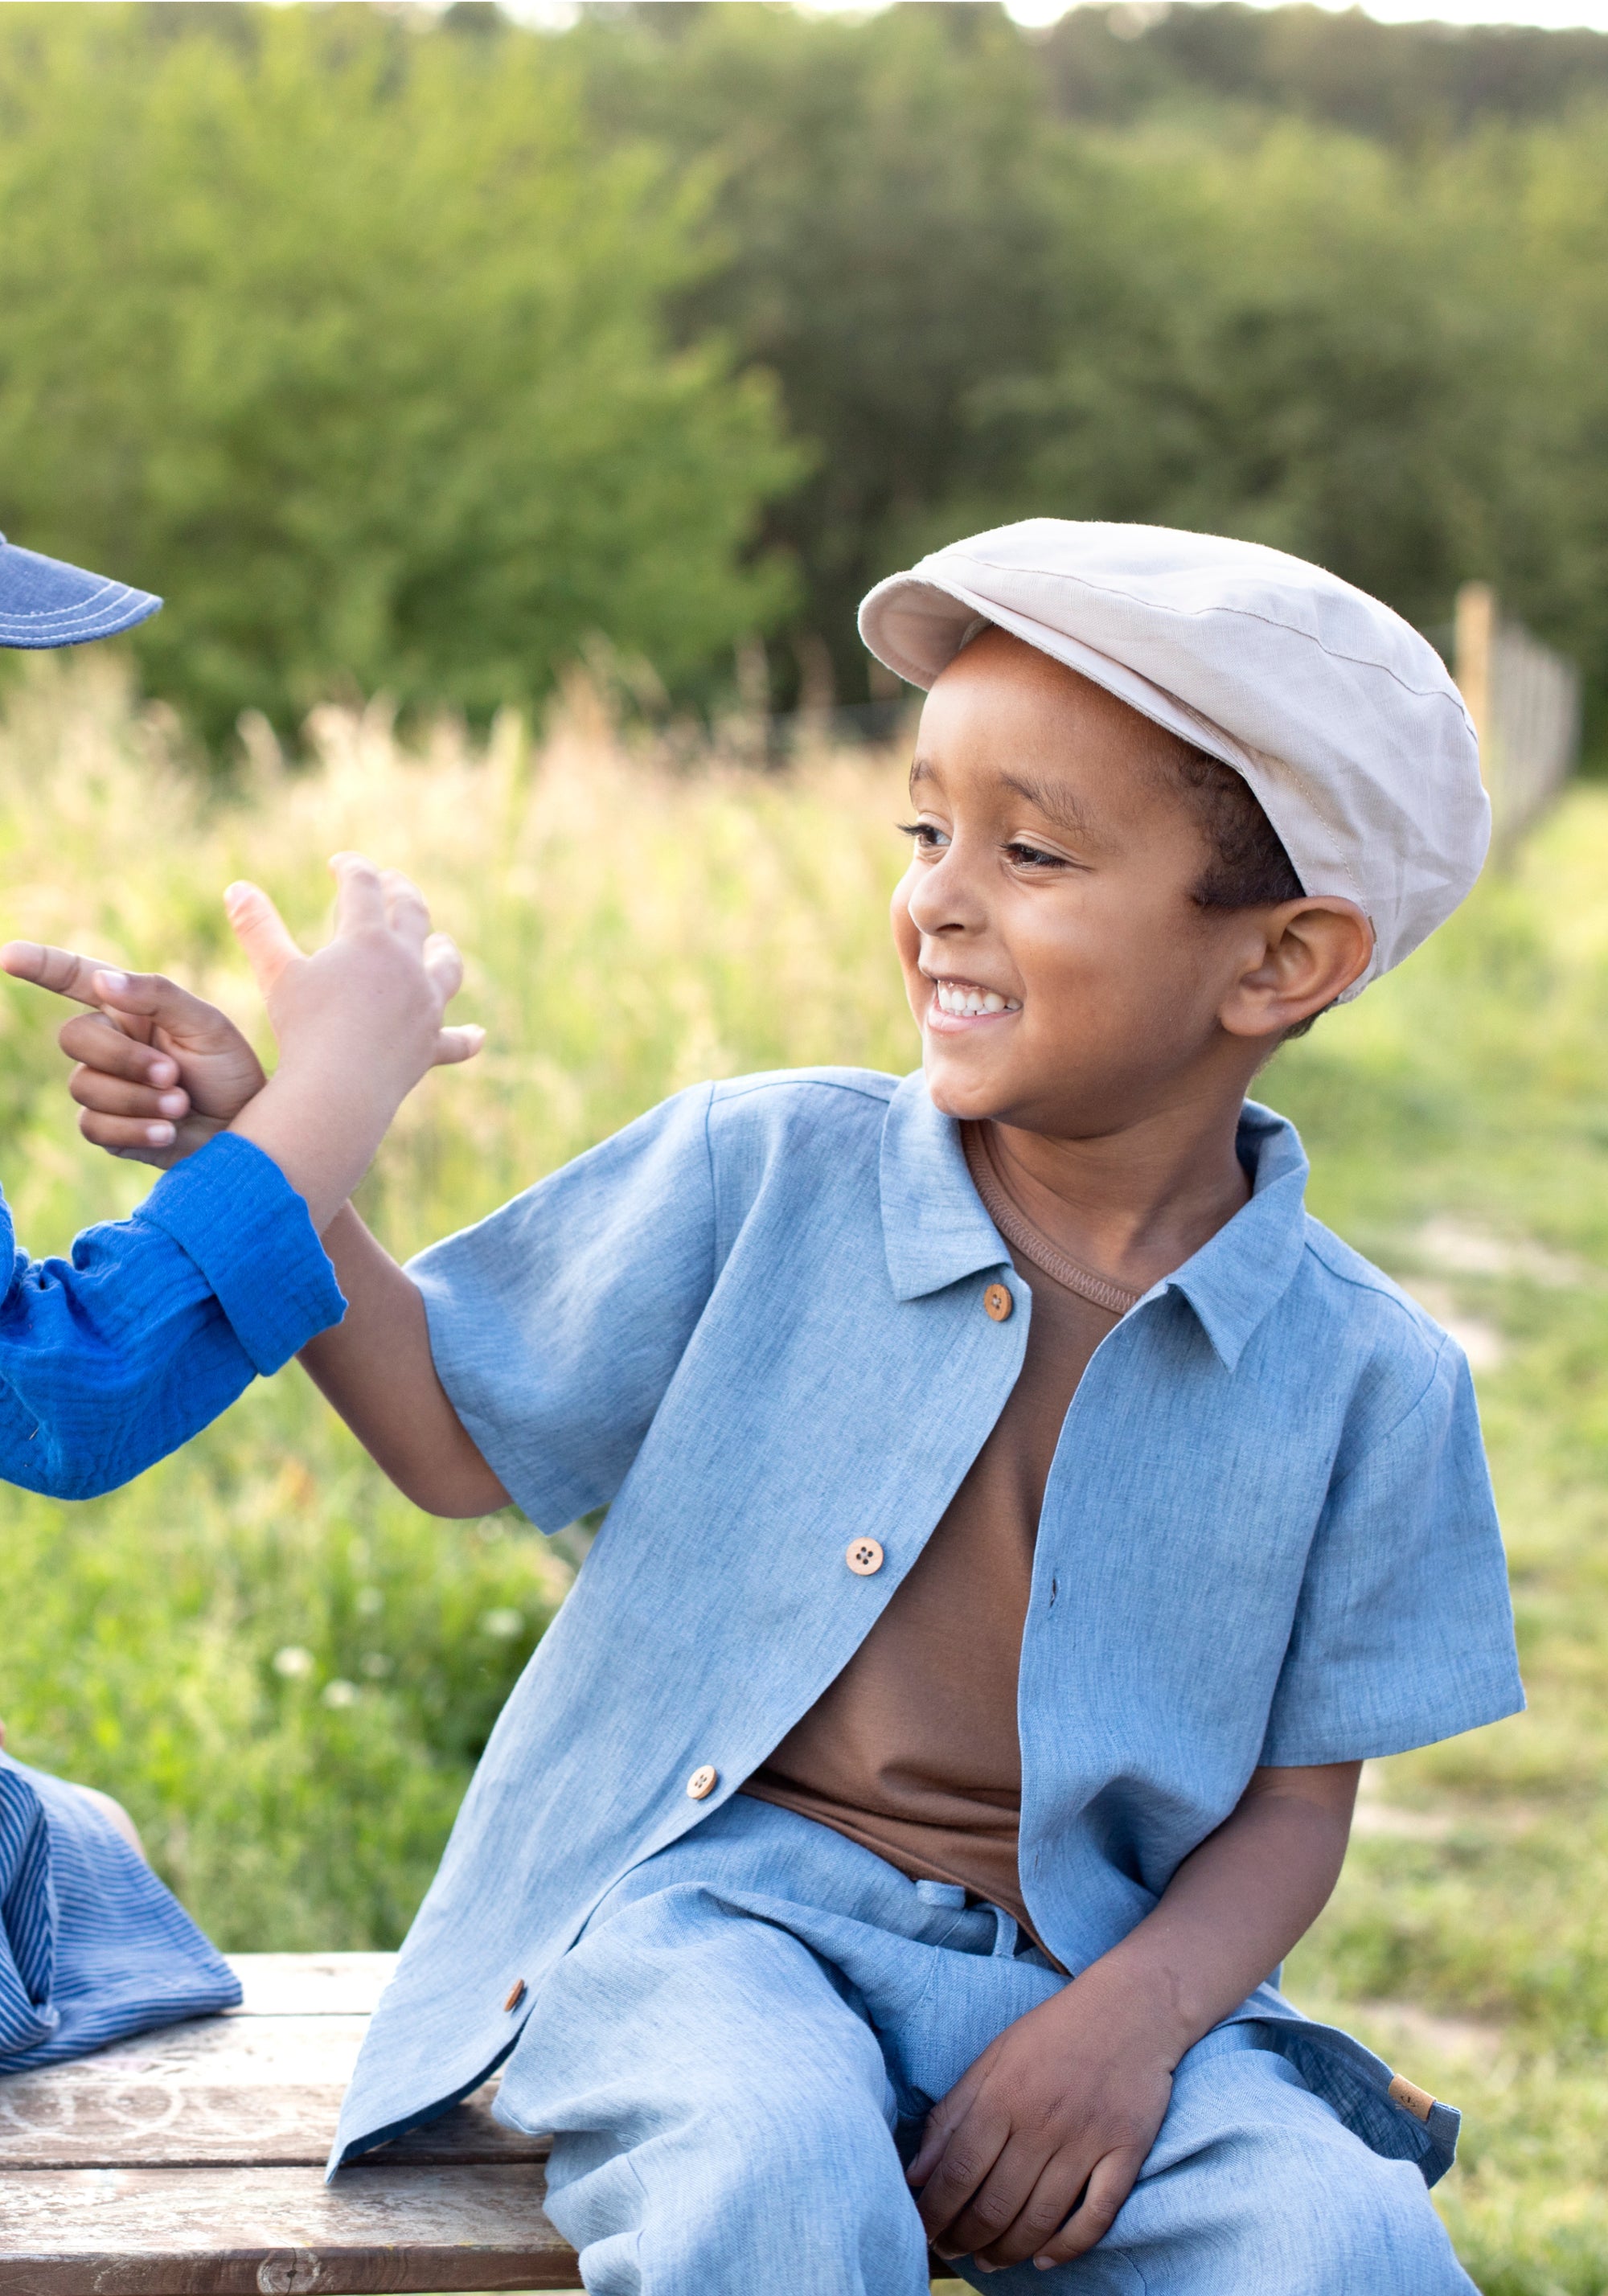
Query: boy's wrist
[[323, 1131], [1149, 2000]]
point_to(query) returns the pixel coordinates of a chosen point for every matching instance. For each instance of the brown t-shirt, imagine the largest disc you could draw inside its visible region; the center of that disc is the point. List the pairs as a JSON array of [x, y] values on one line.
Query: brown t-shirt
[[912, 1752]]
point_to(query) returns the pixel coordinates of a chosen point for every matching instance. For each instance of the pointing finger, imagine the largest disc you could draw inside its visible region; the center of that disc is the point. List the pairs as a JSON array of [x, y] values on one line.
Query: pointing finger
[[59, 970], [261, 933]]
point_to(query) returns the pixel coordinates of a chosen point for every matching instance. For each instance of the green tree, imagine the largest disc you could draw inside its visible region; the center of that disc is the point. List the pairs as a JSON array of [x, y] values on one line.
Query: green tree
[[337, 331]]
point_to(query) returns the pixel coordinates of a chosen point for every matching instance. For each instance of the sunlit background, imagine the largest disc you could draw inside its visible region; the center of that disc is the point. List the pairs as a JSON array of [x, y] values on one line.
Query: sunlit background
[[512, 407]]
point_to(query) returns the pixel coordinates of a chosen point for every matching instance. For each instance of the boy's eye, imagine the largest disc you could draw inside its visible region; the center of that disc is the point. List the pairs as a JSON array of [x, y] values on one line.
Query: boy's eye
[[926, 836], [1033, 856]]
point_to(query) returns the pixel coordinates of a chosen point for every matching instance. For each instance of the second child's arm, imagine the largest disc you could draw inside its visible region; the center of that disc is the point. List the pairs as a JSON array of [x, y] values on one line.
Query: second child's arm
[[377, 1370]]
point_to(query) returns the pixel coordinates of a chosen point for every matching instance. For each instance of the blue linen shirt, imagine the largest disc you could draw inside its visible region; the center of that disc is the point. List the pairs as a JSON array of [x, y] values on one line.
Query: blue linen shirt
[[110, 1360], [751, 1325]]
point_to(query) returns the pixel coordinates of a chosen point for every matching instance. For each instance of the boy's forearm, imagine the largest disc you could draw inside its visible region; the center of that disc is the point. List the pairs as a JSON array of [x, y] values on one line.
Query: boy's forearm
[[1237, 1906], [377, 1370], [322, 1131]]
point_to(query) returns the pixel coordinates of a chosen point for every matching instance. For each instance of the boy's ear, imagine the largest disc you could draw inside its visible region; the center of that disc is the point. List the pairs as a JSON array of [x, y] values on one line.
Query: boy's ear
[[1312, 950]]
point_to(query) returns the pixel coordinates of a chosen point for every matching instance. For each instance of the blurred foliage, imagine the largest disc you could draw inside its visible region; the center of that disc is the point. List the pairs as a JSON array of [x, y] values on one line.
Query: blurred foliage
[[412, 353], [995, 284], [287, 1672], [343, 335]]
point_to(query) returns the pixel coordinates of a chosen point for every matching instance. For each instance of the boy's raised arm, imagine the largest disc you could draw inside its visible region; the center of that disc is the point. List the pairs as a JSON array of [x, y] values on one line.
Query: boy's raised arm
[[377, 1370]]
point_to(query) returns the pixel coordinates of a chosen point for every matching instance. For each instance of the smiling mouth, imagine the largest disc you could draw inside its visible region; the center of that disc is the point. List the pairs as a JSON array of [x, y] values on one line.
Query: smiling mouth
[[963, 1000]]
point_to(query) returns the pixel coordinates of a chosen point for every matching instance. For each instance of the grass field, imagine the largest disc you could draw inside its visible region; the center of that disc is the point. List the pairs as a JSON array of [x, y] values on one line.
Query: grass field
[[286, 1672]]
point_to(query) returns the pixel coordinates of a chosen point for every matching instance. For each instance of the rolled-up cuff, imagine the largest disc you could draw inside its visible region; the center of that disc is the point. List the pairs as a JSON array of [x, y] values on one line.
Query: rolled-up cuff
[[233, 1210]]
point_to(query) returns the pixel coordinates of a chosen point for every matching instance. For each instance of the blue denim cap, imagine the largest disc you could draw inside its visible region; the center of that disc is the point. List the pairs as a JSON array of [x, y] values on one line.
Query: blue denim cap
[[44, 603]]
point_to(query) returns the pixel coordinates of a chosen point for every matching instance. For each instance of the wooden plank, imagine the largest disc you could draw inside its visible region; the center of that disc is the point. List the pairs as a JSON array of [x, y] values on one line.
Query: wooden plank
[[263, 2091], [277, 2231], [310, 1984]]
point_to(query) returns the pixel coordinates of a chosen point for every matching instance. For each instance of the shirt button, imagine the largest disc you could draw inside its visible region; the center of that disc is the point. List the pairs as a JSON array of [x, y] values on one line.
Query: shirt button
[[1412, 2099], [702, 1783], [998, 1303], [863, 1557], [516, 1994]]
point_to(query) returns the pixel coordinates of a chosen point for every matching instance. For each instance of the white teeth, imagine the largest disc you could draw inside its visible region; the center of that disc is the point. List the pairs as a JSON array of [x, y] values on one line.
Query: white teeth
[[968, 1004]]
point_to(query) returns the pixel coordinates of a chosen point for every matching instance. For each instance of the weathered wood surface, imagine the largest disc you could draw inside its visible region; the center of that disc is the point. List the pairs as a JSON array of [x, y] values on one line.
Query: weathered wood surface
[[261, 2092], [189, 2163], [267, 2232]]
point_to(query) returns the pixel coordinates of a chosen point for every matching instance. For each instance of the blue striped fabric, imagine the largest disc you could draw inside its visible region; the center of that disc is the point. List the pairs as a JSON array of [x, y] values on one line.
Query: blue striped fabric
[[91, 1946]]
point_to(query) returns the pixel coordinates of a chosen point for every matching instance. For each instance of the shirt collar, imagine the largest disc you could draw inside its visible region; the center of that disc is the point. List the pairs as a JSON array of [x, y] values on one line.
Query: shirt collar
[[937, 1231]]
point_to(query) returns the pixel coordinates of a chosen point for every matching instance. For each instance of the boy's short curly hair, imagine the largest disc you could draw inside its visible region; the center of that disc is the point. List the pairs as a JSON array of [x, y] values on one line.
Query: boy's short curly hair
[[1246, 866]]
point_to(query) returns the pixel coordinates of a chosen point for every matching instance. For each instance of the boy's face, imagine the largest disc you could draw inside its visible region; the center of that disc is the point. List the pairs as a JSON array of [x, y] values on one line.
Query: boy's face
[[1062, 978]]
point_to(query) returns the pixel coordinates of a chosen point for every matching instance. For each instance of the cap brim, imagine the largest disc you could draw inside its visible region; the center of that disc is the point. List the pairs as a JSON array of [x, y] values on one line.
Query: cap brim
[[44, 602], [917, 627]]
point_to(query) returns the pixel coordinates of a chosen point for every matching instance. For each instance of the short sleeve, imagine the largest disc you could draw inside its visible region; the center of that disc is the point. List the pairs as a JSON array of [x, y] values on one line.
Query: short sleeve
[[1403, 1632], [557, 1325]]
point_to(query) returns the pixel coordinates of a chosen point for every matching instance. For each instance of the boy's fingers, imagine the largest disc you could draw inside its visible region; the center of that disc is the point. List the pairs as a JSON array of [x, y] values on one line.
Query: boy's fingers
[[61, 970], [405, 908], [454, 1045], [941, 2124], [444, 964], [968, 2160], [359, 896], [100, 1044], [114, 1096], [995, 2208], [261, 933], [1041, 2214], [1110, 2183]]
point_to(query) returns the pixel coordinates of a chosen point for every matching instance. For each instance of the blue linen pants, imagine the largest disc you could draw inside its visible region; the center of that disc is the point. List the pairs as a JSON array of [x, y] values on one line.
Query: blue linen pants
[[742, 2042]]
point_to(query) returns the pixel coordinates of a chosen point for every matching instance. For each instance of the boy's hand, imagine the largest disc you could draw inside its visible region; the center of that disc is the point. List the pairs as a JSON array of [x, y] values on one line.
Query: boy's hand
[[1036, 2148], [160, 1070], [376, 993], [358, 1025]]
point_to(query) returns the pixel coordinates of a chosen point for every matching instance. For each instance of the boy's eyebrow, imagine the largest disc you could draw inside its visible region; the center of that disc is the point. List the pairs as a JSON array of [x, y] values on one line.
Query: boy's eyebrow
[[1052, 799]]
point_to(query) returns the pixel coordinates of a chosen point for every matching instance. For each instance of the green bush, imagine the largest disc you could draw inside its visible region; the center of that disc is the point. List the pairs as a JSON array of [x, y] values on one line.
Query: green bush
[[338, 331]]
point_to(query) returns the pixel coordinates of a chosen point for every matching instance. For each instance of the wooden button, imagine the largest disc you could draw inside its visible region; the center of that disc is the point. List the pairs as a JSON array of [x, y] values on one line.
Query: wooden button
[[516, 1994], [864, 1556], [1412, 2099], [997, 1299], [702, 1783]]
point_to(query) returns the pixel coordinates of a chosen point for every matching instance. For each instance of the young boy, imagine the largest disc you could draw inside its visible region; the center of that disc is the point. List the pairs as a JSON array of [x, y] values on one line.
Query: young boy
[[112, 1359], [1023, 1519]]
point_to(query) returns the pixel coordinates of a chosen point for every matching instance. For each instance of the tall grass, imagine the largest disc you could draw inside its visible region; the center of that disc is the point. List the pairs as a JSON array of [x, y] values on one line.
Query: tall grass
[[287, 1672]]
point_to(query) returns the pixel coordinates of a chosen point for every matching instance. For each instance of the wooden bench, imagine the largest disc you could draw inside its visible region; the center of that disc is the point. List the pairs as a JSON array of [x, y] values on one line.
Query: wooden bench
[[189, 2163]]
